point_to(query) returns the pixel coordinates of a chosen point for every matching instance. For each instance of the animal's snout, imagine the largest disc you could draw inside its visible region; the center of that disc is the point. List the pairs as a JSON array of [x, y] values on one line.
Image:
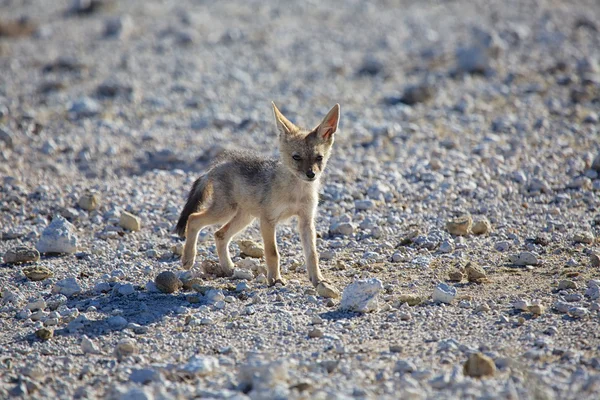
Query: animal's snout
[[310, 174]]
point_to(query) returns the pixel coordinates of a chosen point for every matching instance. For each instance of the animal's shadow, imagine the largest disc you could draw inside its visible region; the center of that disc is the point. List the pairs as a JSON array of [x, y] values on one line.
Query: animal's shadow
[[141, 308]]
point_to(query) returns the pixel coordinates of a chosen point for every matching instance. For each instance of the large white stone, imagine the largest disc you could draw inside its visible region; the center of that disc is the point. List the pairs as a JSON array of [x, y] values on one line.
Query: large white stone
[[58, 237], [444, 293], [361, 296], [67, 287]]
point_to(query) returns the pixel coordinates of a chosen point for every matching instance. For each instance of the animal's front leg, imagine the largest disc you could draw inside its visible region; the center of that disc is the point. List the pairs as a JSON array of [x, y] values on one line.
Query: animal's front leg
[[267, 229], [308, 236]]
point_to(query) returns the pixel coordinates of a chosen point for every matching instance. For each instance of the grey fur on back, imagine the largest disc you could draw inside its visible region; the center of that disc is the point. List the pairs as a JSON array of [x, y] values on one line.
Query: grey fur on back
[[256, 171]]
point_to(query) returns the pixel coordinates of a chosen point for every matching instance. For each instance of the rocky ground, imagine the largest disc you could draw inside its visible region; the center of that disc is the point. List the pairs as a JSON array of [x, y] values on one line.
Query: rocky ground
[[459, 213]]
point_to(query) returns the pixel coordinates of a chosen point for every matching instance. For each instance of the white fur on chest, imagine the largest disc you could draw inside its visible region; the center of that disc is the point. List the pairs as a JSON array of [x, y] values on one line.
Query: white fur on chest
[[299, 200]]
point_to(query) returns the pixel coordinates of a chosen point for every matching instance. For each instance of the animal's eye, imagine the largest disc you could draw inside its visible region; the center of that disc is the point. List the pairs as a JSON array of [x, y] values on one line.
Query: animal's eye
[[319, 158], [296, 157]]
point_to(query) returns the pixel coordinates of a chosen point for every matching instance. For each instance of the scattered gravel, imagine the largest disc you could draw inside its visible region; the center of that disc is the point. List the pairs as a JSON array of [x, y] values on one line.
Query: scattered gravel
[[469, 134]]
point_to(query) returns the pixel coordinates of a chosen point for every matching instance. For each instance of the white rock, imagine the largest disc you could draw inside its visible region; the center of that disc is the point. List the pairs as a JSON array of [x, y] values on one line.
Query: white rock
[[342, 228], [522, 305], [262, 376], [88, 346], [102, 287], [58, 237], [244, 274], [444, 293], [200, 365], [130, 222], [126, 289], [578, 312], [214, 295], [593, 290], [67, 287], [561, 306], [524, 258], [38, 304], [361, 296], [117, 322]]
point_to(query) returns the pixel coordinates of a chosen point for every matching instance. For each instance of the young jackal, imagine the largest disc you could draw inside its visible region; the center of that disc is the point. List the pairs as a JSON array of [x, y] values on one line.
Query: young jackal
[[241, 187]]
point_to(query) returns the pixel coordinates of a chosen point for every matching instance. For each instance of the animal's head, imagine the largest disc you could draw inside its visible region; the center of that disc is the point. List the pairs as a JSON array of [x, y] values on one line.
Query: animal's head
[[305, 152]]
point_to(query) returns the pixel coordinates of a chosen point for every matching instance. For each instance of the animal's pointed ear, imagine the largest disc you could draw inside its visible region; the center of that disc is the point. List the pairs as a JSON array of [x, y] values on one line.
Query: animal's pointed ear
[[284, 126], [329, 126]]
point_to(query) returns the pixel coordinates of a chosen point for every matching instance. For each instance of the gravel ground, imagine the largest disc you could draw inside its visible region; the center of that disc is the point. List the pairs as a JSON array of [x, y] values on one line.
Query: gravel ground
[[462, 194]]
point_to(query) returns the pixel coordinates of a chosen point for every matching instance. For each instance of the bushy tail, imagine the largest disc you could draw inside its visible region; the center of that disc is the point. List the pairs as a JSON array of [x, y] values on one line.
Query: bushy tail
[[194, 200]]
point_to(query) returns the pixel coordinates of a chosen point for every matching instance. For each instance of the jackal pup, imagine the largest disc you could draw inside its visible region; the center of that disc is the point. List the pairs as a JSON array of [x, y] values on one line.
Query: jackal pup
[[241, 186]]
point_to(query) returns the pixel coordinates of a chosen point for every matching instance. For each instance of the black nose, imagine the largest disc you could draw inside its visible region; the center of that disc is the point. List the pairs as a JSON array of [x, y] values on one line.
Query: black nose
[[310, 174]]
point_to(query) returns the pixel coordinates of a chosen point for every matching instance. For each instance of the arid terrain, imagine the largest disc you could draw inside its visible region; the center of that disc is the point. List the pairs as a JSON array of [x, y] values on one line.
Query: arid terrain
[[459, 213]]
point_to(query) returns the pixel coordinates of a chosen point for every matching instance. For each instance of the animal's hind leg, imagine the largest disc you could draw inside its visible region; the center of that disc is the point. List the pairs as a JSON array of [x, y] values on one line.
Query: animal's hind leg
[[195, 223], [224, 235]]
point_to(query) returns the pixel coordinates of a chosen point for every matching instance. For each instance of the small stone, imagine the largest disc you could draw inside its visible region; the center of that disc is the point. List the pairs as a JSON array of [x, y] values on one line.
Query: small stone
[[404, 366], [67, 287], [88, 347], [44, 333], [460, 226], [261, 279], [405, 316], [326, 290], [6, 137], [84, 108], [593, 290], [177, 249], [342, 228], [315, 333], [144, 376], [537, 309], [58, 237], [167, 282], [117, 322], [479, 365], [473, 60], [484, 307], [561, 306], [481, 227], [251, 248], [502, 246], [446, 247], [361, 296], [37, 273], [118, 27], [456, 276], [444, 293], [566, 284], [243, 274], [396, 348], [410, 299], [578, 312], [130, 222], [199, 365], [125, 348], [474, 272], [524, 258], [21, 254], [584, 237], [126, 289], [595, 260], [89, 201]]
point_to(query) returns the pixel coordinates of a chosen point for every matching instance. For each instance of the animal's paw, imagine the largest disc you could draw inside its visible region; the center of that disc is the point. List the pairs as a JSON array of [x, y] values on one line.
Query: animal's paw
[[187, 262], [327, 290], [275, 281]]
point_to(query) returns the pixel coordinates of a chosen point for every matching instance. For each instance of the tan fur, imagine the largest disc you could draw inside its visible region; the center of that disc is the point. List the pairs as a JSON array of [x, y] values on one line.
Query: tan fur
[[242, 187]]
